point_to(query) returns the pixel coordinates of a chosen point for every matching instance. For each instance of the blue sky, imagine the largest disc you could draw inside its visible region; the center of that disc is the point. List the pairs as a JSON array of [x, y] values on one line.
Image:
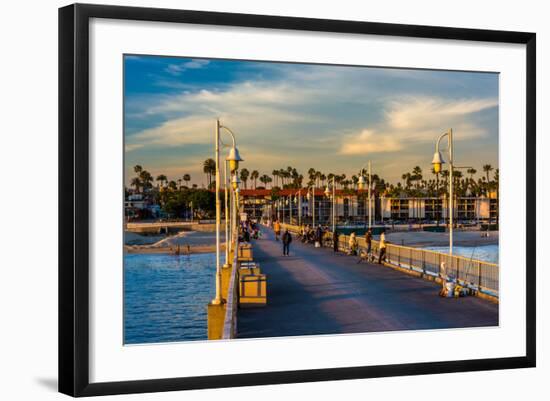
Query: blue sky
[[331, 118]]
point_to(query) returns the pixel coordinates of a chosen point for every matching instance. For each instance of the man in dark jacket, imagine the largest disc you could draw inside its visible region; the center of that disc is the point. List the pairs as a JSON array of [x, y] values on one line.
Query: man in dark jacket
[[335, 238], [368, 242], [287, 239], [319, 235]]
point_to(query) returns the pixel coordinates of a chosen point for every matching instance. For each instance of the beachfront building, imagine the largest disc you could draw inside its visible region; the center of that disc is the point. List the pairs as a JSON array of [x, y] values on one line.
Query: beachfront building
[[136, 206], [467, 208], [292, 205]]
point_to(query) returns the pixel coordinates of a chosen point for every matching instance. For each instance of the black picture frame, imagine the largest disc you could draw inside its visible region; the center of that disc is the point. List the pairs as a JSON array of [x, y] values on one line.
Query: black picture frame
[[74, 198]]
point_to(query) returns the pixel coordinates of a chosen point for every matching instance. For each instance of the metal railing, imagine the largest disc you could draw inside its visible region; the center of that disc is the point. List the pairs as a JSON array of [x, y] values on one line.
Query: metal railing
[[475, 274]]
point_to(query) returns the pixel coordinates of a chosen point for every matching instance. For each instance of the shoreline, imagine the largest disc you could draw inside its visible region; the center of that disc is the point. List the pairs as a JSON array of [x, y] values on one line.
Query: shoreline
[[170, 250]]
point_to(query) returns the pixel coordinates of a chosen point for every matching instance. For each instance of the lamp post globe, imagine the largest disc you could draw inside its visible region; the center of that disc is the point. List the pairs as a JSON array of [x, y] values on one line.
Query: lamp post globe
[[361, 182], [234, 158], [437, 161]]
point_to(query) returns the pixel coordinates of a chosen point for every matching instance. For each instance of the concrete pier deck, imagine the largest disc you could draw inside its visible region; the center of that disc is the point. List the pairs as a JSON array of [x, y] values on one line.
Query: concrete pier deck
[[314, 291]]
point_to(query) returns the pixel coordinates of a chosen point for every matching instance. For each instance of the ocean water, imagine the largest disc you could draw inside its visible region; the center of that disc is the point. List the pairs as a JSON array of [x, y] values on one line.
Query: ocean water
[[165, 297], [487, 253]]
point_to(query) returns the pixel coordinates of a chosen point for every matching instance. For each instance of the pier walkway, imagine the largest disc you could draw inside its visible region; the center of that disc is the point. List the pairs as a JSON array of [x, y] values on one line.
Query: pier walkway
[[314, 291]]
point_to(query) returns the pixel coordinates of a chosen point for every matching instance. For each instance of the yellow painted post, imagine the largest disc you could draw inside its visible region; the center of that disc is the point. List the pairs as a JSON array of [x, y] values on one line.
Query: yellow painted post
[[216, 317]]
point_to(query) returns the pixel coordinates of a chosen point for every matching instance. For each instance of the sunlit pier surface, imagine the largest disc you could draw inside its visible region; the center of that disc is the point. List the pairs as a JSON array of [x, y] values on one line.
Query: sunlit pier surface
[[314, 291]]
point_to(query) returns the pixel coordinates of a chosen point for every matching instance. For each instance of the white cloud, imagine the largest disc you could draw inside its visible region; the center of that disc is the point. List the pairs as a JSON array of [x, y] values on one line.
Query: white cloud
[[414, 120], [133, 146], [177, 69], [248, 108], [367, 141]]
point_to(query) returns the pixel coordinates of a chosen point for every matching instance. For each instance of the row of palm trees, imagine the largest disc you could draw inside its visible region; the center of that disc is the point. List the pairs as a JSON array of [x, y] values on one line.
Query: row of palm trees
[[143, 181], [414, 182]]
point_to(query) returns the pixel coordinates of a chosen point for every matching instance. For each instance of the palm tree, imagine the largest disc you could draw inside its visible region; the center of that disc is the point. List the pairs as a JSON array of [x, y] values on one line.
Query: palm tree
[[136, 183], [146, 179], [179, 183], [265, 179], [244, 176], [323, 179], [186, 178], [254, 176], [275, 174], [416, 175], [209, 168], [311, 174], [407, 178], [161, 178], [487, 168], [138, 169]]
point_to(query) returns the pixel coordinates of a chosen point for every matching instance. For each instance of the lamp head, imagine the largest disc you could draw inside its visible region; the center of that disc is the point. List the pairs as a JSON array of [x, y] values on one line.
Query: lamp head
[[437, 162], [361, 182], [234, 158]]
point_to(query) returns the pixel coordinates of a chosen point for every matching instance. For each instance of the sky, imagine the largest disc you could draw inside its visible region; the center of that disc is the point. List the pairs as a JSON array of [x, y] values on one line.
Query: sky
[[331, 118]]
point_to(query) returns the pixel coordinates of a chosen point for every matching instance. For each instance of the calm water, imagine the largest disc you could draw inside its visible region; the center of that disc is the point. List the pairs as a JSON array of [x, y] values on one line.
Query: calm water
[[487, 253], [165, 297]]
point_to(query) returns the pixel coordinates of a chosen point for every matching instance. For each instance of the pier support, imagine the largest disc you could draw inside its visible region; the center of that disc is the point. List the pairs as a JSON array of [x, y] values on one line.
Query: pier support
[[216, 316]]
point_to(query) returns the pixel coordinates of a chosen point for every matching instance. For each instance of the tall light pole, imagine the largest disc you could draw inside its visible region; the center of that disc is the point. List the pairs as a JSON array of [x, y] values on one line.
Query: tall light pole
[[235, 181], [227, 214], [298, 201], [233, 158], [290, 206], [313, 203], [361, 183], [327, 193], [437, 162]]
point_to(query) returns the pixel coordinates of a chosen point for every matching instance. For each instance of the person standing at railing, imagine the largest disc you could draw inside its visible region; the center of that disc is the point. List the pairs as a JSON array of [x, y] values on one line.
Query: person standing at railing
[[382, 245], [277, 229], [287, 239], [368, 242], [353, 244]]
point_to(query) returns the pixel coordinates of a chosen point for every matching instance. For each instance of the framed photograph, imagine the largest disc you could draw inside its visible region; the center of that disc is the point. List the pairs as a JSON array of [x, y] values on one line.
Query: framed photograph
[[251, 199]]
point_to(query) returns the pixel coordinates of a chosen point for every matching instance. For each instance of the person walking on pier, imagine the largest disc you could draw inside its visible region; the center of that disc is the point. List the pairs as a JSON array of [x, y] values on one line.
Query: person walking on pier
[[335, 241], [277, 229], [319, 236], [287, 239], [382, 253]]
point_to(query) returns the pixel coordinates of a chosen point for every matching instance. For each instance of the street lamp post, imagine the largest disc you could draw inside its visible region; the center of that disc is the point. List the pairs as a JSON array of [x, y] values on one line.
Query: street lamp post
[[227, 214], [313, 199], [437, 162], [235, 181], [327, 193], [290, 207], [361, 183], [298, 201], [233, 158]]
